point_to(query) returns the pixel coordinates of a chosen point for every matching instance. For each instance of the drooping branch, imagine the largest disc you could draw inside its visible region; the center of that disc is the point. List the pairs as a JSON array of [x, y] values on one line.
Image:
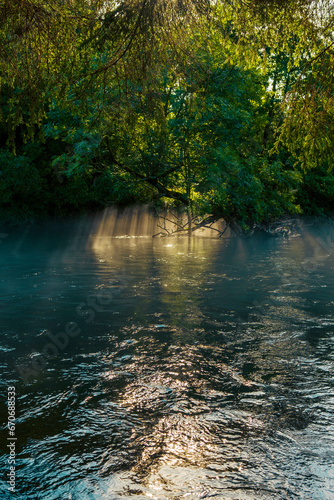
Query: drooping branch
[[182, 227], [152, 180]]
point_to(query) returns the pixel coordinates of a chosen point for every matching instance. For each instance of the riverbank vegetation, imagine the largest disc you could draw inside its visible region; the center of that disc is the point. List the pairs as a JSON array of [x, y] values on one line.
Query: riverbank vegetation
[[221, 110]]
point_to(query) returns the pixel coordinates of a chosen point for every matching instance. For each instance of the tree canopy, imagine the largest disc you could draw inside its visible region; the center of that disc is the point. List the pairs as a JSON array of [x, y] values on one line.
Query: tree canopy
[[223, 109]]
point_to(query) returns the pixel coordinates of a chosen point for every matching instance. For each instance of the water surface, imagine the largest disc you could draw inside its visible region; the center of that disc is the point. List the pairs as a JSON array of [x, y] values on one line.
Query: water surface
[[203, 368]]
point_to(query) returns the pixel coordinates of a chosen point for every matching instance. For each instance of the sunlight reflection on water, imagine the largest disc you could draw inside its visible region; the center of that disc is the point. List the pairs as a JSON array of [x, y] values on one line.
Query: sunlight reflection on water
[[208, 373]]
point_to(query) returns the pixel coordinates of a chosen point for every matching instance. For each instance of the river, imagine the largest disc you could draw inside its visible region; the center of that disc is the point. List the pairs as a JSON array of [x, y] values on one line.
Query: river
[[167, 368]]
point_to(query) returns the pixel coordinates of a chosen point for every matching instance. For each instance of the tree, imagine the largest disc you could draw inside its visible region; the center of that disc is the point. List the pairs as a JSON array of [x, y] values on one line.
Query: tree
[[181, 101], [192, 131]]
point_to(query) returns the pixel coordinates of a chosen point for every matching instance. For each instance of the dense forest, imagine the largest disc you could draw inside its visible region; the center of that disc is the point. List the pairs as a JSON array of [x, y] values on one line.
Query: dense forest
[[221, 109]]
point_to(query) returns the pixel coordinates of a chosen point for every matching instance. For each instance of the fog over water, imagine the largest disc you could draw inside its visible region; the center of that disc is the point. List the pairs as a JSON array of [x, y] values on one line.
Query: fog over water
[[167, 368]]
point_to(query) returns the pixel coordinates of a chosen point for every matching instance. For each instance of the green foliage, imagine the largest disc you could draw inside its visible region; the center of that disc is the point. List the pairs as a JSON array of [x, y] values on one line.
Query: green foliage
[[21, 187], [116, 103], [200, 135], [317, 193], [255, 191]]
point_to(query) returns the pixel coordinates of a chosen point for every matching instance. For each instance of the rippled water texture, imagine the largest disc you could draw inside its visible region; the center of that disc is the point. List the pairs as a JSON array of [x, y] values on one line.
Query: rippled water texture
[[198, 369]]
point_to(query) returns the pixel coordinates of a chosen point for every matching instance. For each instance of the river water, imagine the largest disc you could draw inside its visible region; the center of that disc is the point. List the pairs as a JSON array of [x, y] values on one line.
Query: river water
[[168, 368]]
